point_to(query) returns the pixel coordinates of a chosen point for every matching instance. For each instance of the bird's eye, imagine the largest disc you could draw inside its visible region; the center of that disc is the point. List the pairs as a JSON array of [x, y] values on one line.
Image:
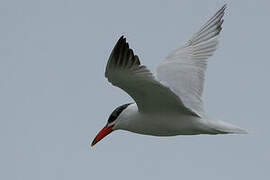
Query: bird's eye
[[112, 118], [117, 112]]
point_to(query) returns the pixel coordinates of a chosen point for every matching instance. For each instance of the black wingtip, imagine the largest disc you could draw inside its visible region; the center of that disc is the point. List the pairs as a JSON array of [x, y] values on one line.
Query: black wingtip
[[122, 38]]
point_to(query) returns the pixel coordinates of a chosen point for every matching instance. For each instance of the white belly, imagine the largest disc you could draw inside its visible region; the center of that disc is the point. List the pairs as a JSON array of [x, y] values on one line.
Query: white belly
[[165, 125]]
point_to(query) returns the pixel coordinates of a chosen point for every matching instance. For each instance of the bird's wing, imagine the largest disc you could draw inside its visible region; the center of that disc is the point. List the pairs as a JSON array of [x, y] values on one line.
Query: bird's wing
[[125, 71], [184, 69]]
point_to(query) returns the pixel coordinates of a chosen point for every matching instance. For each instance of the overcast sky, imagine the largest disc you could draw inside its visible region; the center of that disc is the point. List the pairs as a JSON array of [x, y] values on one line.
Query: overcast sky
[[54, 97]]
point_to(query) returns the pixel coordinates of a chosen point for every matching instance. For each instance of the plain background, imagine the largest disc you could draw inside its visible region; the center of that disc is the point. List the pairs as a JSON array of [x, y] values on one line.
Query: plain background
[[54, 97]]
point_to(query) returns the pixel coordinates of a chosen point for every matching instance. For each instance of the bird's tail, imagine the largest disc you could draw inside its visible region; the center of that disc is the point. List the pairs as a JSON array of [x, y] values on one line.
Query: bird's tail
[[225, 128]]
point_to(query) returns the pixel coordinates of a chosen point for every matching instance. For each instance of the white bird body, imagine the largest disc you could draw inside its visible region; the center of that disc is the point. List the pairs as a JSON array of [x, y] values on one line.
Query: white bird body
[[170, 124], [170, 102], [157, 124]]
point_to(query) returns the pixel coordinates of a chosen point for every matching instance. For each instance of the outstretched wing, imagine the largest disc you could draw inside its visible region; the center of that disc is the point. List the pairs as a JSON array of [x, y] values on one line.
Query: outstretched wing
[[125, 71], [184, 69]]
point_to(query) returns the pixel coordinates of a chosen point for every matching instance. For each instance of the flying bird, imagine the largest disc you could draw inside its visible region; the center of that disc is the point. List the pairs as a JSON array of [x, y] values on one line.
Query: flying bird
[[168, 103]]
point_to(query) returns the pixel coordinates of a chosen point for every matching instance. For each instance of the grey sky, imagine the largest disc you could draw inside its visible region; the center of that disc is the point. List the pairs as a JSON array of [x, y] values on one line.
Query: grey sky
[[54, 97]]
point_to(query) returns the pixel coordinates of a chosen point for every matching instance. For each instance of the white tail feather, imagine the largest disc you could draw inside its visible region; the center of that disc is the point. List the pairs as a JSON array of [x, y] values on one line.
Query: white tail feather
[[226, 128]]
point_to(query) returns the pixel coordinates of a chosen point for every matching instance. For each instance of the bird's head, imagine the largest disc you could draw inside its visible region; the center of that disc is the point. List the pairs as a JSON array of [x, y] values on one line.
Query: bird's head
[[110, 126]]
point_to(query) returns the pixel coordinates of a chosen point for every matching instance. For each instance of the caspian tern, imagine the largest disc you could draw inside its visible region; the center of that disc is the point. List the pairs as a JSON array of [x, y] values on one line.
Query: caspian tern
[[169, 103]]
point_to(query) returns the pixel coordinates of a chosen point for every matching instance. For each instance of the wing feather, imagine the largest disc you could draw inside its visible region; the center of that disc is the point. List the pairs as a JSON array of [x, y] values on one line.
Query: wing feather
[[125, 71], [184, 69]]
